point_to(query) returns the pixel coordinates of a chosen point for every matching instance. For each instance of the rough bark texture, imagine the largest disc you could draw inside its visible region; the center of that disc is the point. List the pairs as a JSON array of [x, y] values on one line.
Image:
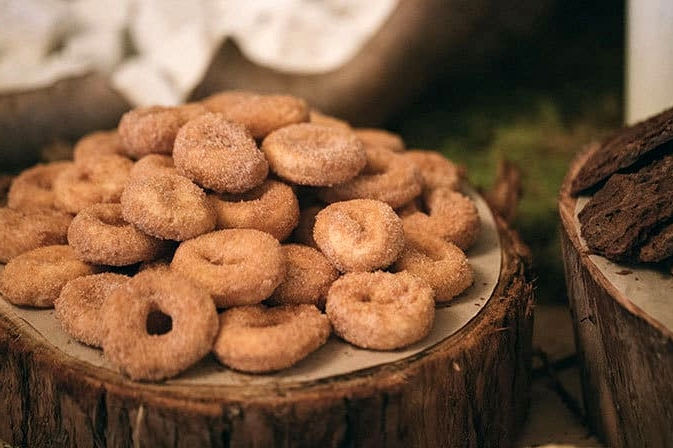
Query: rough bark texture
[[471, 390], [623, 149], [626, 355]]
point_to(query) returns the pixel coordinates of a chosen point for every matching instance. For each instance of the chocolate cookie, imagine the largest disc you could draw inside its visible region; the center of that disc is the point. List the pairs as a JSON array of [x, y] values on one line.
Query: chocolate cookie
[[624, 149], [623, 214]]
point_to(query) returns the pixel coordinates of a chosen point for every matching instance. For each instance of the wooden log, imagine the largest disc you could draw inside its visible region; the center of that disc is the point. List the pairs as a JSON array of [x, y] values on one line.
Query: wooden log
[[625, 346], [472, 389]]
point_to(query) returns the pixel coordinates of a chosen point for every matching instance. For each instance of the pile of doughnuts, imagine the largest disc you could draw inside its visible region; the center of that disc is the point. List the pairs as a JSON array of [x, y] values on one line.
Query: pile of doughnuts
[[246, 225]]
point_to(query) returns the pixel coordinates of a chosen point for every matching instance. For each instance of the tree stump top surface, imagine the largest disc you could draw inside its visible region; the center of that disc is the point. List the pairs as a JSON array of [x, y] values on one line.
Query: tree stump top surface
[[643, 289]]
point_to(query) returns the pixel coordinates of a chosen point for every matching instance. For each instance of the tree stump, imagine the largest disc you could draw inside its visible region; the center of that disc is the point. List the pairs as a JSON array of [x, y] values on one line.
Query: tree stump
[[623, 324], [470, 389]]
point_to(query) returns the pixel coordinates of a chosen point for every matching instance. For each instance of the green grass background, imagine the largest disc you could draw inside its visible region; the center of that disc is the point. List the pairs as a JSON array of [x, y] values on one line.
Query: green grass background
[[536, 105]]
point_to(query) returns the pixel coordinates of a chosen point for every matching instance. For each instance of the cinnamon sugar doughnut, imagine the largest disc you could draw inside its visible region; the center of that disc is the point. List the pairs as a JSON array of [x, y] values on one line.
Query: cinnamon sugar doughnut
[[99, 180], [318, 117], [259, 113], [167, 206], [236, 266], [97, 144], [78, 306], [21, 231], [376, 137], [311, 154], [380, 310], [33, 187], [271, 207], [308, 277], [387, 177], [435, 169], [258, 339], [152, 129], [452, 216], [443, 265], [152, 164], [219, 154], [99, 234], [303, 233], [157, 325], [35, 278], [359, 235]]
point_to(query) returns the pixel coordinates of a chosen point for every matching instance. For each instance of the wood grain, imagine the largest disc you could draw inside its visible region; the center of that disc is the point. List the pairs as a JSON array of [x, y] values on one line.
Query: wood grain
[[626, 354], [472, 389]]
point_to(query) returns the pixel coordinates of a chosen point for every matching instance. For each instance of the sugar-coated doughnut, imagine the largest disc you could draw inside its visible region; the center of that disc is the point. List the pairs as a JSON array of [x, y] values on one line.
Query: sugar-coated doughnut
[[98, 180], [219, 154], [152, 129], [443, 265], [236, 266], [152, 164], [318, 117], [33, 187], [316, 155], [23, 230], [78, 306], [387, 177], [359, 235], [167, 206], [99, 234], [258, 339], [35, 278], [259, 113], [309, 275], [157, 325], [435, 169], [303, 233], [380, 310], [377, 137], [452, 216], [97, 144], [271, 207]]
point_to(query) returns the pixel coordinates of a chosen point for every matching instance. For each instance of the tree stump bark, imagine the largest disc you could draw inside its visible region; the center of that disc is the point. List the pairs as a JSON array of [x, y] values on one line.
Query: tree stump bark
[[624, 336], [472, 389]]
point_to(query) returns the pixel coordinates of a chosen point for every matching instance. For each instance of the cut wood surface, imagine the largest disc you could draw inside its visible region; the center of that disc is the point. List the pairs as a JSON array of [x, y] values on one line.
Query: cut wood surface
[[622, 324], [471, 389]]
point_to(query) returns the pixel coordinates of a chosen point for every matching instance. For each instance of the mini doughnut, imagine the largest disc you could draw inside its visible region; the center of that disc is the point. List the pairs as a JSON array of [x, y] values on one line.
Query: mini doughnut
[[308, 277], [318, 117], [33, 187], [376, 137], [271, 207], [167, 206], [452, 216], [152, 129], [311, 154], [78, 306], [157, 325], [21, 231], [387, 177], [303, 233], [35, 278], [258, 339], [152, 164], [380, 310], [436, 170], [259, 113], [99, 235], [97, 144], [236, 266], [359, 235], [443, 265], [219, 154], [99, 180]]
